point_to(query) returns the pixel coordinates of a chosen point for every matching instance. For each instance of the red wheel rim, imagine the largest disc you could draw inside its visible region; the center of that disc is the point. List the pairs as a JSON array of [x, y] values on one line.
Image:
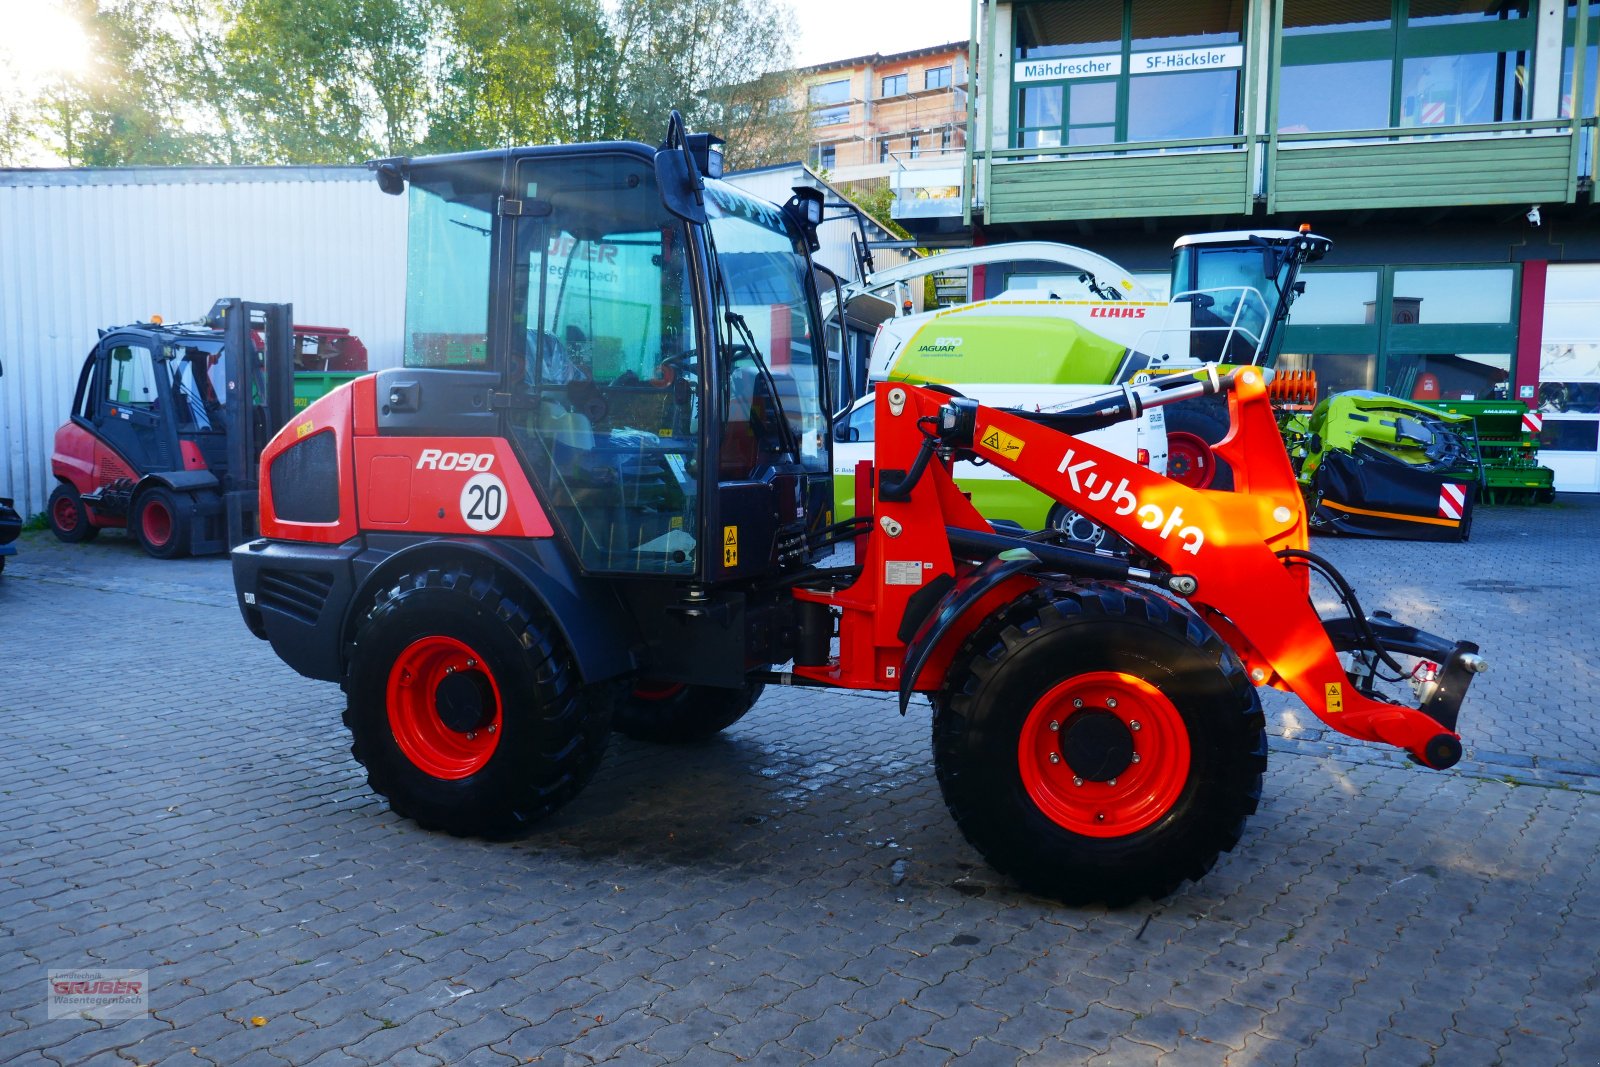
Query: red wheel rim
[[652, 690], [1189, 460], [66, 514], [1140, 793], [156, 523], [432, 746]]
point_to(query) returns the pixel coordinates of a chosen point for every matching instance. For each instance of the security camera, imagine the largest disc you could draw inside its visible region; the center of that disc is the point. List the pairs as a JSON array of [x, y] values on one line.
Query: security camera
[[1533, 215]]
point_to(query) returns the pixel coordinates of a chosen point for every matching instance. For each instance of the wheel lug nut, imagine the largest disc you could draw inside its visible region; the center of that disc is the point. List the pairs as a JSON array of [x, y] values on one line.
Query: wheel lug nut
[[491, 730], [449, 670], [1111, 702], [1076, 780], [471, 735], [1134, 726], [1111, 781], [1055, 757], [1054, 725], [472, 663], [1099, 816], [1135, 755], [1077, 702]]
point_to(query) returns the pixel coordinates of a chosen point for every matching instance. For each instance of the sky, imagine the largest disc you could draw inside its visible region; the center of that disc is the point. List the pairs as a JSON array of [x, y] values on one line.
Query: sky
[[844, 29]]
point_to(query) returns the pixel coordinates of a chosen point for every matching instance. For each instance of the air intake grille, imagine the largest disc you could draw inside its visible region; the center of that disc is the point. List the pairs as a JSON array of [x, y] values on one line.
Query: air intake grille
[[298, 593], [305, 480]]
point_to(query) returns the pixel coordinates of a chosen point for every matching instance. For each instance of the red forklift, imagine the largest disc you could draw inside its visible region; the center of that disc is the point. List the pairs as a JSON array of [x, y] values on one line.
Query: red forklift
[[597, 496], [167, 427]]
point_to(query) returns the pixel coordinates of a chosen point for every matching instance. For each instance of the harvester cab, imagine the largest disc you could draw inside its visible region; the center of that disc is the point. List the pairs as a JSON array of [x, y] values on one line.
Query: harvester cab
[[1238, 286], [167, 425], [597, 496]]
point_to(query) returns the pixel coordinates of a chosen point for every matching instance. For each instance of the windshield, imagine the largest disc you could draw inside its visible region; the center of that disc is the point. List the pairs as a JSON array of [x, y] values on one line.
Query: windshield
[[1233, 298], [447, 276], [770, 380]]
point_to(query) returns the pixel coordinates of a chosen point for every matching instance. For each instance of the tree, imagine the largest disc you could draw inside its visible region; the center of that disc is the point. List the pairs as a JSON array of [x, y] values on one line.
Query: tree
[[720, 62], [329, 81], [521, 71]]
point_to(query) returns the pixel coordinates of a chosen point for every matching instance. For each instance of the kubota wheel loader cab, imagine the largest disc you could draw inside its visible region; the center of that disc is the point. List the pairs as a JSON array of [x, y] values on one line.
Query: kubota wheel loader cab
[[621, 406], [618, 330]]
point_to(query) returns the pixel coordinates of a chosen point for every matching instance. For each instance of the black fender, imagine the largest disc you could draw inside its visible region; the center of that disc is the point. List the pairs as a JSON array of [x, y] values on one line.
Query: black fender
[[181, 481], [591, 619], [959, 598]]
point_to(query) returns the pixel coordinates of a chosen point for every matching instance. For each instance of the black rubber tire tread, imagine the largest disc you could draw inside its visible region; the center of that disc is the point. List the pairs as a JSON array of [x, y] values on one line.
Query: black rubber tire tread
[[83, 531], [176, 546], [694, 713], [554, 730], [1205, 423], [1039, 640]]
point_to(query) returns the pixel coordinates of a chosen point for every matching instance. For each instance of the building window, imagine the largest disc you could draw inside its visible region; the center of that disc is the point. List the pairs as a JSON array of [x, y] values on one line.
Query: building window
[[916, 146], [936, 78], [1591, 62], [1095, 72], [1385, 64], [827, 156], [944, 139], [883, 150], [1415, 332], [830, 116], [834, 92], [894, 85]]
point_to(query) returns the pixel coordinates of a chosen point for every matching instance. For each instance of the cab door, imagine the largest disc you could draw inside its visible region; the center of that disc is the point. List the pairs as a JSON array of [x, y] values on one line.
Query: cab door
[[130, 403]]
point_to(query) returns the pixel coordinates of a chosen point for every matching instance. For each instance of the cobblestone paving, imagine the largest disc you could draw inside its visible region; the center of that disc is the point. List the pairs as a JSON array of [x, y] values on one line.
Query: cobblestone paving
[[173, 798]]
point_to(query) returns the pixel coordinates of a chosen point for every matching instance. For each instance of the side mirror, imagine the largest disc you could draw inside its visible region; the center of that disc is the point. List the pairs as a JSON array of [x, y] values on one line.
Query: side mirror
[[390, 178], [679, 185]]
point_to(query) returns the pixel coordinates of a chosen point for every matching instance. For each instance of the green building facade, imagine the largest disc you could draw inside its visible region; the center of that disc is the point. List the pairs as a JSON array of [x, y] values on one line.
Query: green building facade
[[1448, 147]]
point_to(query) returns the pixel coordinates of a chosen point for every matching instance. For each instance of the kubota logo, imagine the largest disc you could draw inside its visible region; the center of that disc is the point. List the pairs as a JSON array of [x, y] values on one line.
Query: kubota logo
[[433, 459], [1116, 313], [1090, 484]]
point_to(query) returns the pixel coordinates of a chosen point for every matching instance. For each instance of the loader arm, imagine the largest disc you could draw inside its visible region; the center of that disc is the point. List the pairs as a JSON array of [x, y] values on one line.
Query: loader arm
[[1219, 550]]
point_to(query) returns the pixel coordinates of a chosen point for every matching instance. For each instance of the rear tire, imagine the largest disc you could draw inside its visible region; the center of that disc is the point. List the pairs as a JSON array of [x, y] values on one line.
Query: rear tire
[[679, 714], [69, 519], [1191, 461], [1098, 809], [161, 522], [465, 706]]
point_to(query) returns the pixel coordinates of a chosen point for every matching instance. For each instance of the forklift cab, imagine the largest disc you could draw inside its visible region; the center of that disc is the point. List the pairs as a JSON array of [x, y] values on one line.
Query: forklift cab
[[150, 395], [662, 377]]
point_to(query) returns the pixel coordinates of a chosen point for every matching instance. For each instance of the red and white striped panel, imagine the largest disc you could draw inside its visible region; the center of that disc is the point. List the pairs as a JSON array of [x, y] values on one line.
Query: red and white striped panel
[[1432, 113], [1532, 422], [1452, 500]]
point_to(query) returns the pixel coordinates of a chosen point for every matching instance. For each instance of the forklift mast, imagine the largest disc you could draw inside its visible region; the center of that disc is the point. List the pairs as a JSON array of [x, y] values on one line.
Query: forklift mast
[[259, 399]]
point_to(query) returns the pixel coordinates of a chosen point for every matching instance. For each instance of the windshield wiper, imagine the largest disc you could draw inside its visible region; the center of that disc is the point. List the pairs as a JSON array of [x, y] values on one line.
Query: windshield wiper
[[791, 442]]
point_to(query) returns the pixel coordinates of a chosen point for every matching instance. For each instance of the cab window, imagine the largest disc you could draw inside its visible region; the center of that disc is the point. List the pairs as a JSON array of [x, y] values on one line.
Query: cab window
[[130, 376]]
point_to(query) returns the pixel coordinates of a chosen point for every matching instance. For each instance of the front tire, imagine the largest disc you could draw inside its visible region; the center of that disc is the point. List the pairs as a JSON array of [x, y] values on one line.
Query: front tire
[[161, 522], [69, 519], [465, 706], [1096, 743], [675, 714]]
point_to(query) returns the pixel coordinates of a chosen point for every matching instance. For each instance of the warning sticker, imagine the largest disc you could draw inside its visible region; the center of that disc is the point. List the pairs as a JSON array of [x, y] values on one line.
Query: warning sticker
[[1334, 692], [305, 428], [1001, 443], [730, 546], [902, 572]]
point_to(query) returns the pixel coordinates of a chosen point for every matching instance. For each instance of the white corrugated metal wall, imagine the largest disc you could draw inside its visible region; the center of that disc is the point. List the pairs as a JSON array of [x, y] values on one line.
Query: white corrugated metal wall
[[85, 249]]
